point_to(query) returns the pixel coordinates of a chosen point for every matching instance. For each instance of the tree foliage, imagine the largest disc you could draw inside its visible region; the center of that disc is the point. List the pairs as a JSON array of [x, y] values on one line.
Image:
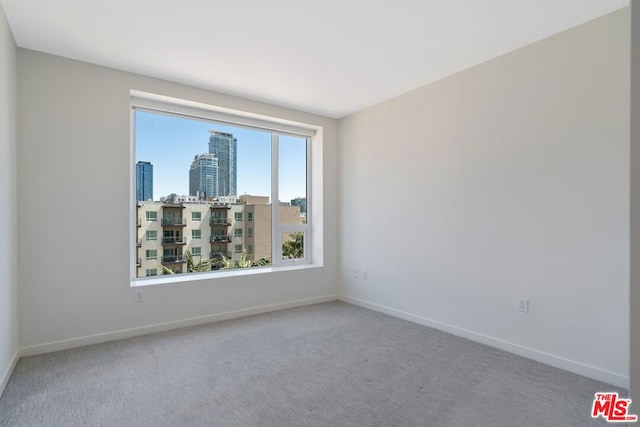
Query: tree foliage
[[294, 246]]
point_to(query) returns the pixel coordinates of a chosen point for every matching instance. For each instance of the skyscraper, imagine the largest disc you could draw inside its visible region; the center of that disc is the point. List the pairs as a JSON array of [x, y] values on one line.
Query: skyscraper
[[224, 146], [144, 181], [204, 176]]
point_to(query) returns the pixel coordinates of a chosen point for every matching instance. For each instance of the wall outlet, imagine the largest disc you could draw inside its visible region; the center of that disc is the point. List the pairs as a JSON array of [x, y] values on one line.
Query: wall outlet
[[139, 296], [356, 273], [523, 305]]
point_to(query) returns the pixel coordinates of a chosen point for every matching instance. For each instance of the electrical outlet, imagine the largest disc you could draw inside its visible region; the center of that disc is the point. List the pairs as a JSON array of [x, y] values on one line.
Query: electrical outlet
[[364, 275], [139, 296], [523, 305], [356, 273]]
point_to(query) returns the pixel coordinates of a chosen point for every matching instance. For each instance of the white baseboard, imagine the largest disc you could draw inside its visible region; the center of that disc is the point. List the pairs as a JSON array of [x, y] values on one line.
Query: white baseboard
[[167, 326], [4, 379], [539, 356]]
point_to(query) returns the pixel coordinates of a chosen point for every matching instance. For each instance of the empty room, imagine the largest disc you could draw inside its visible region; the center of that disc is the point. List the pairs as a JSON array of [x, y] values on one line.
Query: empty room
[[298, 213]]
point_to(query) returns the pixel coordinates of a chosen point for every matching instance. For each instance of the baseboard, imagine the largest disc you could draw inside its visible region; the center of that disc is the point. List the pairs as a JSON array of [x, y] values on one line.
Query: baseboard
[[167, 326], [539, 356], [4, 380]]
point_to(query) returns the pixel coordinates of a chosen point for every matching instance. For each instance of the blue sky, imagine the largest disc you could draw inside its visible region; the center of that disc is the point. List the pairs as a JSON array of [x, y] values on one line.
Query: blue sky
[[171, 142]]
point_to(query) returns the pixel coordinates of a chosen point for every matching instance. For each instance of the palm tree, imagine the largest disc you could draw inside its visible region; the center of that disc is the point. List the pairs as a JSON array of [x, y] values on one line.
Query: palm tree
[[202, 265], [294, 247], [192, 266], [225, 263]]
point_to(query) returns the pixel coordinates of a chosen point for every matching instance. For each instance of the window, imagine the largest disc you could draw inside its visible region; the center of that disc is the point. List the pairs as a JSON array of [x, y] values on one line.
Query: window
[[152, 235], [152, 272], [152, 253], [223, 167]]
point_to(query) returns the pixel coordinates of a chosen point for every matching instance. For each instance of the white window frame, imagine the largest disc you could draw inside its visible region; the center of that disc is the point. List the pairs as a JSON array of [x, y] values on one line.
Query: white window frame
[[199, 216], [148, 238], [312, 229], [199, 236]]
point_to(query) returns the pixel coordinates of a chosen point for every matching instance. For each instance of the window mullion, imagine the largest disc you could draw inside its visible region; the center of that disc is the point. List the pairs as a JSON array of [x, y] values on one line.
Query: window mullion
[[276, 248]]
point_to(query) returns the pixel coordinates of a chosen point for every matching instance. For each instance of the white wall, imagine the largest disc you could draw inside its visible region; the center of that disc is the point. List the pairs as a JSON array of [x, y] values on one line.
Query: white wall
[[514, 180], [635, 208], [73, 125], [8, 211]]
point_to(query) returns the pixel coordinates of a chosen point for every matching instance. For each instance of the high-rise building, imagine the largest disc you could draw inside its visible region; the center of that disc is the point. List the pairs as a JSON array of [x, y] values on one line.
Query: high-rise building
[[301, 202], [144, 181], [224, 146], [204, 176]]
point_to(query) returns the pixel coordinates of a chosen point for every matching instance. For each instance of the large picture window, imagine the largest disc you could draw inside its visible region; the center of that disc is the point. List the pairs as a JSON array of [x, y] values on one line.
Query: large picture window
[[203, 177]]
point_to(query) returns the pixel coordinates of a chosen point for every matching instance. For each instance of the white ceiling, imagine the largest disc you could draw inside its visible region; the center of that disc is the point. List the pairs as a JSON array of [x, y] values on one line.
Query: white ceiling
[[330, 57]]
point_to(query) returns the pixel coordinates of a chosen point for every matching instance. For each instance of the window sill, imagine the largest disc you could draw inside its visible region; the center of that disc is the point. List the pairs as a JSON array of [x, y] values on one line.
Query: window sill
[[190, 277]]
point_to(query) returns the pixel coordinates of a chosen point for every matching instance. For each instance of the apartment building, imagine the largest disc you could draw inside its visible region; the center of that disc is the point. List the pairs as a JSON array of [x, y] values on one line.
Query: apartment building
[[207, 230]]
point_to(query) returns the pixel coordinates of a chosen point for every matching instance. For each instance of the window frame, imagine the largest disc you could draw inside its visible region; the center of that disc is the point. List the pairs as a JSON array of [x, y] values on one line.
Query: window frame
[[147, 216], [313, 135]]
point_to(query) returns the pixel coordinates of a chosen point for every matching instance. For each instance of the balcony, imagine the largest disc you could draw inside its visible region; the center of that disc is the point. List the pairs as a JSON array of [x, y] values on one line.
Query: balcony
[[138, 222], [220, 239], [174, 241], [219, 255], [173, 259], [139, 262], [220, 221], [174, 222], [139, 243]]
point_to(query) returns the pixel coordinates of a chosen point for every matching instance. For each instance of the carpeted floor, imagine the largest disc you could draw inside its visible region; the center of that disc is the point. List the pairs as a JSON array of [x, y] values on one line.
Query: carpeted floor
[[330, 364]]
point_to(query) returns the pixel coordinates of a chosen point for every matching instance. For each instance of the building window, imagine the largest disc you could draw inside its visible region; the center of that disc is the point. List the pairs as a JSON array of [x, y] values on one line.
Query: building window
[[152, 235], [197, 251], [152, 253], [152, 272], [202, 173]]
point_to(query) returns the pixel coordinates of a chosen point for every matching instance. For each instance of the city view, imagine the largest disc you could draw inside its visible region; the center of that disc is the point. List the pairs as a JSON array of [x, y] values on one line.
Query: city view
[[203, 192]]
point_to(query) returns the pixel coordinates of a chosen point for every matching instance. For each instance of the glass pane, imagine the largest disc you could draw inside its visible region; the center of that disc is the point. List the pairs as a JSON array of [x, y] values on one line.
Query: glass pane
[[292, 245], [201, 179], [292, 179]]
